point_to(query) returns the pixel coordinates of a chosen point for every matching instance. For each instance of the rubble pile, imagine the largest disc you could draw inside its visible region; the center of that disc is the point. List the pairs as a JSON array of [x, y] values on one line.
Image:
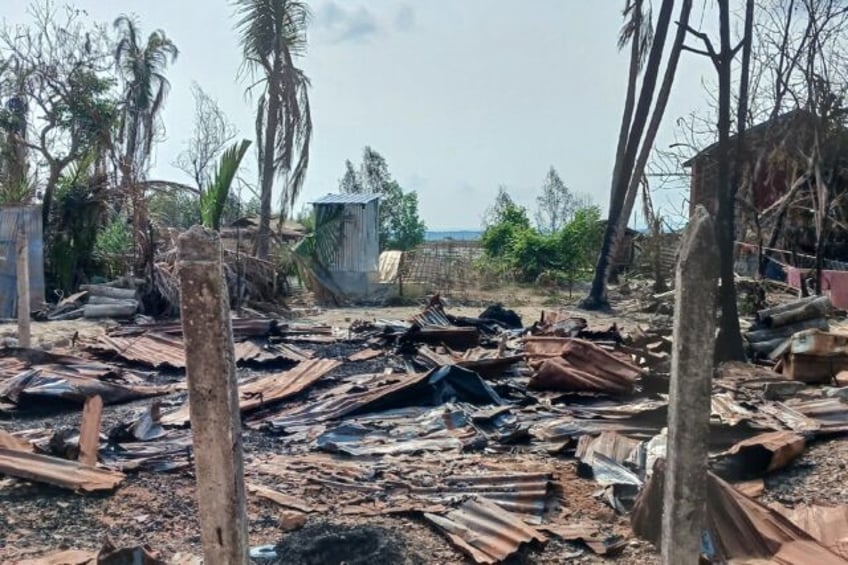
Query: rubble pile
[[472, 426]]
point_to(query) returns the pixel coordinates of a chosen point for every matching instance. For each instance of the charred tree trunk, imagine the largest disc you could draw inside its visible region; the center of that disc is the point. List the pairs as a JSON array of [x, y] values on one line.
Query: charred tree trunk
[[597, 298], [268, 169], [629, 100], [729, 345], [653, 126]]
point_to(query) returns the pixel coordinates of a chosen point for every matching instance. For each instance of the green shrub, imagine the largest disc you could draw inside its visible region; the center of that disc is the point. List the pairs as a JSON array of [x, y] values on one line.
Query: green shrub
[[512, 245], [113, 247]]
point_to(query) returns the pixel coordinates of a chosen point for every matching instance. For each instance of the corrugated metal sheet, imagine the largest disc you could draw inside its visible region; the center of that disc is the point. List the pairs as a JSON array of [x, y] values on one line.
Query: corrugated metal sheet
[[155, 350], [487, 533], [343, 400], [521, 493], [11, 218], [160, 350], [342, 198], [359, 248], [269, 389]]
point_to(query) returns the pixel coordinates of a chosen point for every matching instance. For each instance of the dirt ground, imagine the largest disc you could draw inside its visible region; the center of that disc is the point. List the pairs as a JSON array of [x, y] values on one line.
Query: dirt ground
[[159, 510]]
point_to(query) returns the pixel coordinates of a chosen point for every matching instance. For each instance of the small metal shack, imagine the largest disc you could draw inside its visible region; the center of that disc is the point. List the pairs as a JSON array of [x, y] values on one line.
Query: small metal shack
[[11, 219], [354, 263]]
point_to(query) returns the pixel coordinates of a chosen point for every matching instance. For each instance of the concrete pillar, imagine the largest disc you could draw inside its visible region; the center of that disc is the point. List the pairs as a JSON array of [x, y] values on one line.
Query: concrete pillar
[[213, 398], [24, 331], [691, 382]]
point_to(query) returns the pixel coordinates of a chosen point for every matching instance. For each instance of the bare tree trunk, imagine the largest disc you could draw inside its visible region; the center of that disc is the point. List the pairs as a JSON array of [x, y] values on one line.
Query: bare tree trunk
[[49, 191], [729, 344], [263, 241], [653, 126], [629, 103], [597, 298]]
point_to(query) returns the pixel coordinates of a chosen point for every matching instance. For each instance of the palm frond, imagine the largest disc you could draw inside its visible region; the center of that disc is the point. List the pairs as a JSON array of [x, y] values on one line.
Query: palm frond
[[313, 254], [638, 24], [214, 198]]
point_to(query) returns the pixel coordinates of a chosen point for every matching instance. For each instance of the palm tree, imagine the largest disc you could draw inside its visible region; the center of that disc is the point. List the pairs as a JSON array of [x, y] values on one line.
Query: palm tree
[[653, 126], [626, 160], [272, 34], [141, 67]]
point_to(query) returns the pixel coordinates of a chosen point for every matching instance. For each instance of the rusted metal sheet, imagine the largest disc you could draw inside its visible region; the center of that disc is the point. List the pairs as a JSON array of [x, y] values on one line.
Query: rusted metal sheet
[[484, 531], [343, 401], [242, 327], [767, 452], [568, 364], [269, 389], [14, 361], [826, 524], [166, 350], [589, 534], [11, 219], [57, 472], [739, 529], [252, 351], [830, 413], [479, 360], [384, 392], [524, 494], [152, 349]]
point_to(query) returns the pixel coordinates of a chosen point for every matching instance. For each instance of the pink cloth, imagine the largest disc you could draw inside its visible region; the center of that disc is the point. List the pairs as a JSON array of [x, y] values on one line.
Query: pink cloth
[[834, 284]]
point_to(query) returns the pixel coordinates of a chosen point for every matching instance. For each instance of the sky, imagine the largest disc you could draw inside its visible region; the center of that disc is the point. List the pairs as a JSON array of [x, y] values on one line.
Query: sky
[[459, 96]]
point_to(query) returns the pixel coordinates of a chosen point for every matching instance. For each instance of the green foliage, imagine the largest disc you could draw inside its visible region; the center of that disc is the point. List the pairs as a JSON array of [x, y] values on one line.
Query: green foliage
[[512, 245], [113, 247], [15, 193], [580, 242], [400, 227], [175, 209], [214, 199], [306, 218], [406, 230], [506, 221], [80, 212]]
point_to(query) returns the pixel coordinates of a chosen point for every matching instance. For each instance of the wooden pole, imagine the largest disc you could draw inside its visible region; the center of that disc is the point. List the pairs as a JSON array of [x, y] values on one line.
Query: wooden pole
[[213, 398], [24, 331], [689, 399], [89, 441]]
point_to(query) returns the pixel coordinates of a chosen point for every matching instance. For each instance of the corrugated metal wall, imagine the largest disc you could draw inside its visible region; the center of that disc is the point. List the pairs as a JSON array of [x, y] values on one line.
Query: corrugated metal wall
[[359, 249], [11, 217]]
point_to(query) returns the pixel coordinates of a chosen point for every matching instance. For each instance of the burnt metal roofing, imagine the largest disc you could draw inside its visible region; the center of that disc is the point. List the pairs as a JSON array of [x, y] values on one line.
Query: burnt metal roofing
[[486, 532], [347, 199], [268, 389]]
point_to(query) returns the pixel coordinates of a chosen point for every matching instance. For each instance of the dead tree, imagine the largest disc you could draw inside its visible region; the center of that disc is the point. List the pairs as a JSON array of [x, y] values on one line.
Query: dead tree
[[625, 161], [729, 344], [654, 125]]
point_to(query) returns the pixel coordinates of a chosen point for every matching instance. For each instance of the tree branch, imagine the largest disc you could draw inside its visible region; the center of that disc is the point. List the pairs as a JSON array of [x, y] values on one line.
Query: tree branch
[[705, 38]]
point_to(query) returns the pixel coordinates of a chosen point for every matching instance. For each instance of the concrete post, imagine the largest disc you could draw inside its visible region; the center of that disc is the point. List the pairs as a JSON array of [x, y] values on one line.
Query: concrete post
[[213, 398], [691, 383], [24, 332]]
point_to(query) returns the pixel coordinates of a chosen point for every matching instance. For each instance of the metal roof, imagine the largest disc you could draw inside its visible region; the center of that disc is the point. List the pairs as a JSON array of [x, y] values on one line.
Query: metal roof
[[347, 199]]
